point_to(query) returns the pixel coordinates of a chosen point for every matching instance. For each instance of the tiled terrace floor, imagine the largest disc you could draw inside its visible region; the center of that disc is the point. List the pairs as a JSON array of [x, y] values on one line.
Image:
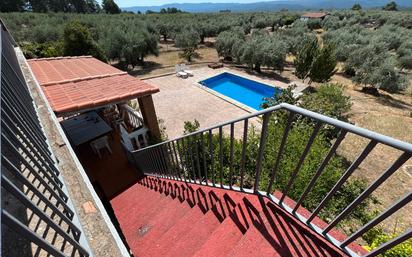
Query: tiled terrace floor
[[180, 100], [112, 173]]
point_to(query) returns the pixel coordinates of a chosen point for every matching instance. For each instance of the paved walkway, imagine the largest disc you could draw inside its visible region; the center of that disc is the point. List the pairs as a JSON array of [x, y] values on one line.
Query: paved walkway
[[180, 100]]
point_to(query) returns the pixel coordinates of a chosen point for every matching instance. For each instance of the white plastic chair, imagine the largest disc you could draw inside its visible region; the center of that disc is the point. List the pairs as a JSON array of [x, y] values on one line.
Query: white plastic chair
[[185, 69], [180, 73], [99, 144]]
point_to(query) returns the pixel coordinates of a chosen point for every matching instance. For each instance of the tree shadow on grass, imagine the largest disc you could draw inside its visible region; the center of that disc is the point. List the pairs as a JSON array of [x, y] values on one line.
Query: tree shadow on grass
[[147, 67], [388, 100]]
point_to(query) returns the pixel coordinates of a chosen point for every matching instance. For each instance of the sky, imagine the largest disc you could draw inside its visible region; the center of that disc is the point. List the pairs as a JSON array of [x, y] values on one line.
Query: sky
[[128, 3]]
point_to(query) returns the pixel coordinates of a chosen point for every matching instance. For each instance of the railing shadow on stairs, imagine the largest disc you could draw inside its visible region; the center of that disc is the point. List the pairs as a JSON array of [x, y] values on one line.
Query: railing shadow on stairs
[[276, 225], [207, 158]]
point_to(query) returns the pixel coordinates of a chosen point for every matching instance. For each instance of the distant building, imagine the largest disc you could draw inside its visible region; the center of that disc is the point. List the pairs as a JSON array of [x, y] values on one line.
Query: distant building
[[313, 15]]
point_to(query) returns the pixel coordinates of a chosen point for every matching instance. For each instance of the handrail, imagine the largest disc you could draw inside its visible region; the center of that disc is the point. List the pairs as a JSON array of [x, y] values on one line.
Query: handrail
[[199, 158], [396, 143], [26, 154]]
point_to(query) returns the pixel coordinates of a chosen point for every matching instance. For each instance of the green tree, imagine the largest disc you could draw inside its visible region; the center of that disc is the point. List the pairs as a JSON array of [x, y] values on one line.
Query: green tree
[[391, 6], [137, 46], [305, 56], [356, 7], [40, 6], [374, 67], [109, 6], [187, 40], [11, 5], [261, 50], [324, 65], [77, 40], [225, 42]]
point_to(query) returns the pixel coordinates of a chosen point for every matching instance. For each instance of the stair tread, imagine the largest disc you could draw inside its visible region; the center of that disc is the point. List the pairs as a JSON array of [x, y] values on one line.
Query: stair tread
[[182, 219]]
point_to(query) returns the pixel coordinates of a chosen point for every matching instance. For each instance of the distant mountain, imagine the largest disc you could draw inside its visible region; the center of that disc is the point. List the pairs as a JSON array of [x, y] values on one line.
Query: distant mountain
[[292, 5]]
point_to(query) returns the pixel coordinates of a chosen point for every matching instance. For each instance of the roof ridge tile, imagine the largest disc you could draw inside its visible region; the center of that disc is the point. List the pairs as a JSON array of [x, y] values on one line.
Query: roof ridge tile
[[59, 58]]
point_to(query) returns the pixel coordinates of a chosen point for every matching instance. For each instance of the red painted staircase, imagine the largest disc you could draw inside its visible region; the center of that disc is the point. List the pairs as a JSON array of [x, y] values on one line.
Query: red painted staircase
[[161, 217]]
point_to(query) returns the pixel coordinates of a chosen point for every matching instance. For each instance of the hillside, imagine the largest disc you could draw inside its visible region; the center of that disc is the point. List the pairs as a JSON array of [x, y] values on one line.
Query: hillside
[[268, 5]]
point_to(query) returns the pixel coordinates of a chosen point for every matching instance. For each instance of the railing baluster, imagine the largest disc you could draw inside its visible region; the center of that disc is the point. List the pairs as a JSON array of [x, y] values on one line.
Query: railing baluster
[[243, 161], [280, 152], [189, 144], [8, 185], [394, 167], [320, 169], [343, 179], [181, 157], [301, 160], [173, 166], [388, 212], [170, 163], [198, 158], [187, 160], [232, 132], [178, 169], [23, 230], [259, 160], [204, 156], [212, 153], [159, 161], [221, 155]]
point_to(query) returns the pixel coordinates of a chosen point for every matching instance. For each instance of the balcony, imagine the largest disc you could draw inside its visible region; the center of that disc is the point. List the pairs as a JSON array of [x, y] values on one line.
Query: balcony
[[198, 195], [205, 167]]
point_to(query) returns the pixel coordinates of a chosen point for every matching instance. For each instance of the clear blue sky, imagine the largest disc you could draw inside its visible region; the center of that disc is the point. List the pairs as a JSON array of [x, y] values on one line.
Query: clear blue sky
[[128, 3]]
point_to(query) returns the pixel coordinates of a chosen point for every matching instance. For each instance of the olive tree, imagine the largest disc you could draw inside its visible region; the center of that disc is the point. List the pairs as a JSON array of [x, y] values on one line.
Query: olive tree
[[405, 54], [187, 39], [261, 50], [226, 40], [375, 67]]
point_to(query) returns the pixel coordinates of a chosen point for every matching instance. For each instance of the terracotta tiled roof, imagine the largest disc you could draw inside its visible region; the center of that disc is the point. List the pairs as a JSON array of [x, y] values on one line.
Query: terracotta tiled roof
[[314, 15], [75, 83]]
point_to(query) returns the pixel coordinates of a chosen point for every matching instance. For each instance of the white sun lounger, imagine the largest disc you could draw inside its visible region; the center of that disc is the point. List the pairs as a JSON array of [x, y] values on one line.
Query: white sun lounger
[[180, 73], [186, 70]]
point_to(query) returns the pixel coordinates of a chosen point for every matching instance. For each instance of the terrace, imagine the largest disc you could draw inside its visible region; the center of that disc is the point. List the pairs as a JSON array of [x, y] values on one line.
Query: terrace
[[91, 100], [190, 201]]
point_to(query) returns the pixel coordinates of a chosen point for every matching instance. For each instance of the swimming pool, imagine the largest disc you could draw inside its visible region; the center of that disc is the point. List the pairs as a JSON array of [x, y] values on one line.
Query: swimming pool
[[245, 91]]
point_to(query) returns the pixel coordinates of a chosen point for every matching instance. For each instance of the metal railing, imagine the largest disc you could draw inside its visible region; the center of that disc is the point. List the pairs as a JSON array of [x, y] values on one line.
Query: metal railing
[[36, 207], [207, 157]]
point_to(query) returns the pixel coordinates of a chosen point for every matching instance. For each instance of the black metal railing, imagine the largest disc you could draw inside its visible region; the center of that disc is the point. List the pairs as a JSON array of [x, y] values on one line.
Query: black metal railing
[[35, 206], [207, 157]]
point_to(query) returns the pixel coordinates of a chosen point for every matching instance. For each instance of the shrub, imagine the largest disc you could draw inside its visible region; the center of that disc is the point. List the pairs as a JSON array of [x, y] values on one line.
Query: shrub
[[77, 40], [376, 236], [44, 50], [328, 100]]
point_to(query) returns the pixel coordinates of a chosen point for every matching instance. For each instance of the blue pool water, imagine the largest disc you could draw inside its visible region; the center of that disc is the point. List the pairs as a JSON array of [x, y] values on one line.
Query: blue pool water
[[245, 91]]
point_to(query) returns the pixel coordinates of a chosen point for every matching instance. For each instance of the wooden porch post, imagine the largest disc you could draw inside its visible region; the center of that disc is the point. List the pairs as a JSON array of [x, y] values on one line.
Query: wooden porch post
[[149, 116]]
